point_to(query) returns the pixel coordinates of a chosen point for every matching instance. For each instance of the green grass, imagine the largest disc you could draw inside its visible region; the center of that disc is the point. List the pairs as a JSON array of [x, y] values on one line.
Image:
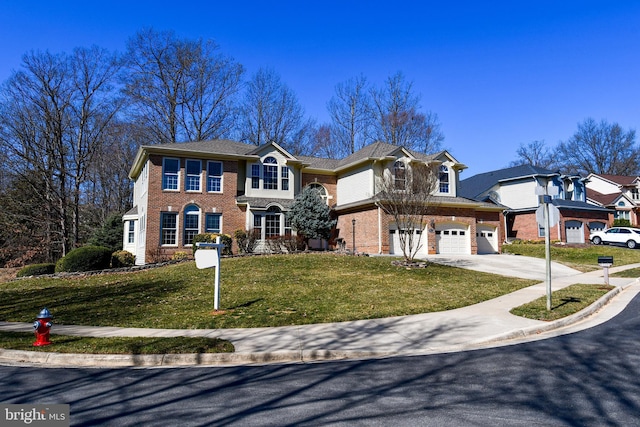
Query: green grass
[[564, 302], [118, 345], [632, 272], [580, 258], [255, 292]]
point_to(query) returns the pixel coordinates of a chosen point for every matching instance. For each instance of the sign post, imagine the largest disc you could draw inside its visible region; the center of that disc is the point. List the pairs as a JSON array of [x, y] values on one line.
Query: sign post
[[547, 216], [208, 256]]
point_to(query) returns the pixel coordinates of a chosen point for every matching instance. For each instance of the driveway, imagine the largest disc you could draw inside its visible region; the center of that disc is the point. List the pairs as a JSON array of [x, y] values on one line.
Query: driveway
[[506, 265]]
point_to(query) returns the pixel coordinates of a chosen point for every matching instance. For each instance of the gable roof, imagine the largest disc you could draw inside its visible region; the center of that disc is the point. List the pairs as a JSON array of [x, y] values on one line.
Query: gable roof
[[474, 186], [605, 199], [621, 180]]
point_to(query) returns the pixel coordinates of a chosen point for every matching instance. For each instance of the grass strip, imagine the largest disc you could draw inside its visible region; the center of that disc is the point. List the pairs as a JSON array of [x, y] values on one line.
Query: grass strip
[[116, 345], [633, 272], [564, 302]]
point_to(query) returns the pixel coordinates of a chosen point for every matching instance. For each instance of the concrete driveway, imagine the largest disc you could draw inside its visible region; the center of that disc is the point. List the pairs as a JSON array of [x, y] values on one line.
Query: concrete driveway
[[506, 265]]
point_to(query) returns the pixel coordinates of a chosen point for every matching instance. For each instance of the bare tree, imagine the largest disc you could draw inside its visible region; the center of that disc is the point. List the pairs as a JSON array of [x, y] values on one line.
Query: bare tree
[[602, 148], [271, 113], [535, 153], [349, 109], [405, 192], [398, 120], [54, 114], [181, 89]]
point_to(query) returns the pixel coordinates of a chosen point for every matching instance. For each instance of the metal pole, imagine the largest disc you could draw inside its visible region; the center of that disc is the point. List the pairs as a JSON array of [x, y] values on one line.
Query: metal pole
[[216, 283], [547, 253]]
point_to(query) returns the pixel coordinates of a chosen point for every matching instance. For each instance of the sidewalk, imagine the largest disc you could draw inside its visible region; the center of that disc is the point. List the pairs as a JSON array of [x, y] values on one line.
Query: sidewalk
[[481, 325]]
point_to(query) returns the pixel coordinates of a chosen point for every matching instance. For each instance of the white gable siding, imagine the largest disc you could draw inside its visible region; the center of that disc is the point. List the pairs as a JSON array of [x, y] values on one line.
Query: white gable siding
[[355, 186], [601, 186], [518, 195], [141, 200]]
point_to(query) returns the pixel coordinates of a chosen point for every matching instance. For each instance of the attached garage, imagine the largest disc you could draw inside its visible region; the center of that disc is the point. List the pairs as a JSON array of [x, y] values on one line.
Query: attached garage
[[574, 231], [395, 246], [452, 238], [487, 239]]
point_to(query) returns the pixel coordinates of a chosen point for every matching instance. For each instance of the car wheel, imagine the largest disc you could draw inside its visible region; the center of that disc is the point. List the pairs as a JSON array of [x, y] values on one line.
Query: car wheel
[[631, 244], [596, 240]]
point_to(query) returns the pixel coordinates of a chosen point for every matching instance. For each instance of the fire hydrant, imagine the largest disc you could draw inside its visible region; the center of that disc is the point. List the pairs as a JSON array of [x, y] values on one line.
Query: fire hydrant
[[41, 328]]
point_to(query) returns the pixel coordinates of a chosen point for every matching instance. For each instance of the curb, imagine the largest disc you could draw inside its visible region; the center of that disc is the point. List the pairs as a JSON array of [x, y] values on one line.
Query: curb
[[57, 360]]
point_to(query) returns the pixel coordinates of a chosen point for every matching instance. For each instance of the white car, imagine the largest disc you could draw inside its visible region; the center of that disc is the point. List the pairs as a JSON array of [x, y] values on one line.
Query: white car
[[617, 235]]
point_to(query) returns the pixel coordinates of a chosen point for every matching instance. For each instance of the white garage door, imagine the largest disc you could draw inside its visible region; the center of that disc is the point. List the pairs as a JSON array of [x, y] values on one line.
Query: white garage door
[[574, 231], [452, 239], [487, 238], [395, 247]]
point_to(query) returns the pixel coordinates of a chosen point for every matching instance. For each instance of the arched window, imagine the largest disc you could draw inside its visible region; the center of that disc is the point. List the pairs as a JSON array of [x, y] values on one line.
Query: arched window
[[321, 190], [272, 222], [443, 178], [191, 223], [399, 176], [270, 173]]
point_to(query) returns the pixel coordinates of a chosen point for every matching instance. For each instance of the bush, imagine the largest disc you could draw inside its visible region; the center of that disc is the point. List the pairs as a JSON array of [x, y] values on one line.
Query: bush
[[37, 270], [122, 259], [247, 241], [179, 256], [621, 223], [211, 238], [110, 234], [86, 258]]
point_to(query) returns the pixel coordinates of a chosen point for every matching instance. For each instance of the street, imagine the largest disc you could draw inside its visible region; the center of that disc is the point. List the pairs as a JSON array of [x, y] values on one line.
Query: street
[[588, 378]]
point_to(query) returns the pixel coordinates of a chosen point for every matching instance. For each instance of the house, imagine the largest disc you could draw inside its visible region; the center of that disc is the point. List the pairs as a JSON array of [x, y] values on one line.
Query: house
[[619, 193], [220, 186], [517, 190]]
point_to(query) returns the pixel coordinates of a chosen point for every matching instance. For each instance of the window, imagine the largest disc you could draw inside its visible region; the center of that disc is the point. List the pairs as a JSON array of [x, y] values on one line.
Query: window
[[287, 226], [255, 176], [168, 232], [272, 222], [635, 194], [212, 223], [399, 176], [443, 177], [170, 170], [284, 175], [270, 174], [214, 177], [257, 225], [191, 223], [192, 181], [321, 191], [540, 231], [131, 233], [622, 215]]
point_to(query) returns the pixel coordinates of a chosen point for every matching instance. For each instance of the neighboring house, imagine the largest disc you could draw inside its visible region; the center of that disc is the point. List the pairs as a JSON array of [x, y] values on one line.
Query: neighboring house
[[619, 193], [221, 186], [517, 190]]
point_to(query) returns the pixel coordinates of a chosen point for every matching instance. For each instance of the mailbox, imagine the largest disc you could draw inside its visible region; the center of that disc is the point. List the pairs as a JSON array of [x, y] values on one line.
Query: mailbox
[[605, 261]]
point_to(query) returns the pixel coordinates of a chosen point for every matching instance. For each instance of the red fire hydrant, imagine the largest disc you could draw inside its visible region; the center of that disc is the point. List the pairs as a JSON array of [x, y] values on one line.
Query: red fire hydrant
[[41, 327]]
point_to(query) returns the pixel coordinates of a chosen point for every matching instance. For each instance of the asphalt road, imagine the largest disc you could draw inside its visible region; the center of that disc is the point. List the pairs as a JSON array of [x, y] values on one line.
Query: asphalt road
[[588, 378]]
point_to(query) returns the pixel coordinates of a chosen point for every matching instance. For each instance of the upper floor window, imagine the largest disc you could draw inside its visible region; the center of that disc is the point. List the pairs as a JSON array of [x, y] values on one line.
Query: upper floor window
[[635, 194], [270, 173], [443, 179], [170, 172], [193, 171], [399, 176], [322, 192], [255, 176], [214, 177], [284, 175], [191, 223]]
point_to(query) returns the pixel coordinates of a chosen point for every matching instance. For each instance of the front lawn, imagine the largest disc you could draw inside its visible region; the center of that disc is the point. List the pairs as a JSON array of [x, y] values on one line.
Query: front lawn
[[256, 291], [584, 258]]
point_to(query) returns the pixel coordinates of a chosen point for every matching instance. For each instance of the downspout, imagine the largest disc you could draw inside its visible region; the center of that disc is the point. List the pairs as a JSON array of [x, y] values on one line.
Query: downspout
[[379, 230]]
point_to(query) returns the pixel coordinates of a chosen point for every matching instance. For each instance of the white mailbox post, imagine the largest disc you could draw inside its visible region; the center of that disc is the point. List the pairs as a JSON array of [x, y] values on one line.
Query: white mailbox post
[[208, 256]]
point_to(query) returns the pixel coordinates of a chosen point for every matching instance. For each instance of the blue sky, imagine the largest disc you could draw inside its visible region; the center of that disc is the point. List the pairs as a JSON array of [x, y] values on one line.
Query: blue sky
[[497, 73]]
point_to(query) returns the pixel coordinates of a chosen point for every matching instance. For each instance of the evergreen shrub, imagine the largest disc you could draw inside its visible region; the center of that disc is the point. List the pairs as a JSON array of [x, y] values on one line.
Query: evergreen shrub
[[37, 270], [86, 258]]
